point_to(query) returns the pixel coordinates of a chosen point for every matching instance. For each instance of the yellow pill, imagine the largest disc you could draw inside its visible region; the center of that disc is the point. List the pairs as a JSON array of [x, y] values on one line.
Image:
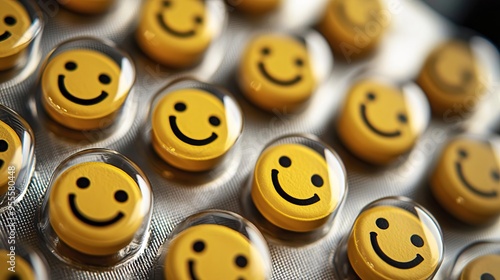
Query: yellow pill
[[466, 180], [292, 189], [212, 251], [10, 155], [482, 268], [388, 243], [275, 72], [193, 129], [87, 6], [379, 122], [22, 269], [255, 7], [83, 89], [451, 78], [14, 38], [354, 27], [95, 208], [175, 33]]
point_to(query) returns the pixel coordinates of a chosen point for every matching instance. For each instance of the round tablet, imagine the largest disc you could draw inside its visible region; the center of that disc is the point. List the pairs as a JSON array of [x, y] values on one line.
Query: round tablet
[[192, 129], [388, 242], [482, 268], [451, 77], [294, 187], [211, 251], [10, 154], [275, 72], [466, 181], [379, 122], [175, 32], [14, 38], [83, 89], [95, 208]]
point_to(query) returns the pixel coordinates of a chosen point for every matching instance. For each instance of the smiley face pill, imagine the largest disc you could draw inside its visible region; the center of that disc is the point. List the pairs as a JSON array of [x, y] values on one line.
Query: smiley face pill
[[14, 35], [466, 181], [354, 27], [388, 242], [23, 270], [452, 78], [10, 154], [211, 251], [276, 72], [175, 33], [193, 129], [380, 121], [84, 89], [296, 187], [96, 208], [484, 268]]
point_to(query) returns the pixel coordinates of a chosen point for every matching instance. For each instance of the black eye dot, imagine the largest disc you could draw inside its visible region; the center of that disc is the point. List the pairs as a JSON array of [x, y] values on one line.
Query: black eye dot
[[285, 161], [167, 3], [487, 276], [14, 277], [3, 145], [70, 66], [382, 223], [417, 241], [104, 79], [83, 182], [299, 62], [180, 107], [121, 196], [199, 246], [317, 180], [495, 175], [198, 19], [402, 118], [9, 20], [462, 153], [241, 261], [370, 96], [265, 51], [214, 121]]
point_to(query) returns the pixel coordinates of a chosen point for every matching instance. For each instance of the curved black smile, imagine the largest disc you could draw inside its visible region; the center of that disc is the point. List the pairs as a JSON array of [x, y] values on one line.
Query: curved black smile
[[268, 76], [6, 35], [374, 129], [88, 221], [186, 139], [402, 265], [74, 99], [297, 201], [167, 28], [191, 271], [1, 163], [460, 173]]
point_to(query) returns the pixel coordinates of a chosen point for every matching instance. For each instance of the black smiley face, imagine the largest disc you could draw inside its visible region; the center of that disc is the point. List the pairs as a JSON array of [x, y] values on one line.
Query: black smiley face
[[8, 21], [197, 21], [299, 63], [212, 120], [84, 183], [494, 174], [4, 146], [199, 246], [316, 181], [415, 239], [401, 117], [103, 78]]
